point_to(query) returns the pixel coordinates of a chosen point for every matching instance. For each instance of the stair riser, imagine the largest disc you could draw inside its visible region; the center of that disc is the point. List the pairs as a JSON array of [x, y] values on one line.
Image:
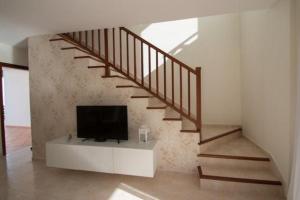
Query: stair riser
[[154, 102], [95, 63], [141, 92], [188, 125], [77, 52], [170, 113], [244, 190], [60, 44], [232, 163], [219, 141]]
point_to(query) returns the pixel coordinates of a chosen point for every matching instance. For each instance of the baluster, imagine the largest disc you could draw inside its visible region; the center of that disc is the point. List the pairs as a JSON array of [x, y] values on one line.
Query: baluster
[[172, 71], [189, 94], [93, 41], [107, 72], [198, 99], [127, 53], [165, 78], [149, 62], [120, 34], [142, 62], [99, 42], [80, 37], [73, 35], [157, 78], [114, 54], [180, 86], [86, 39], [134, 57]]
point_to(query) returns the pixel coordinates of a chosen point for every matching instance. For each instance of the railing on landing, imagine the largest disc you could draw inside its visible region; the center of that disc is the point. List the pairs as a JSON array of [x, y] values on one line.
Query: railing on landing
[[136, 58]]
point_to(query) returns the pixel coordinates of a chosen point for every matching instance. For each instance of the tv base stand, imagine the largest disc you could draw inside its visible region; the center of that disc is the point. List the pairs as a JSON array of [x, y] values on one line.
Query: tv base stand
[[127, 157], [100, 140]]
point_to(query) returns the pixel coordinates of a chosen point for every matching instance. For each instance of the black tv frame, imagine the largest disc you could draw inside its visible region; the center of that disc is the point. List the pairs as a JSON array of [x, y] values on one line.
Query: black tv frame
[[82, 134]]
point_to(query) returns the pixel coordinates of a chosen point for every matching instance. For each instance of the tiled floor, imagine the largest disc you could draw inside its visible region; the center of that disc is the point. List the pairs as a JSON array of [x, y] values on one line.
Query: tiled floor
[[17, 138], [24, 179]]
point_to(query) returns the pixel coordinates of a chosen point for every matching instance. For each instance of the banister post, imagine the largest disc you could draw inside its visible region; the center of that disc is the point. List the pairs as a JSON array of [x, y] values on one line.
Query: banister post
[[198, 100], [107, 71]]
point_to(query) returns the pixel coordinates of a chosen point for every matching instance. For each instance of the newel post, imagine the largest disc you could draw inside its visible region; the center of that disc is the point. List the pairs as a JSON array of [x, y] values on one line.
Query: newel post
[[198, 99], [107, 72]]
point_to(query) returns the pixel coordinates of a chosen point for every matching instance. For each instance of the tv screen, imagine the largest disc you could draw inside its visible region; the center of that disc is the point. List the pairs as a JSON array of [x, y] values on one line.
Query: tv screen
[[102, 122]]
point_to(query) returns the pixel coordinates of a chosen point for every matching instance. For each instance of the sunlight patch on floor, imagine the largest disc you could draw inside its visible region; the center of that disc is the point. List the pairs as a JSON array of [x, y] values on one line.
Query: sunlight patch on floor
[[126, 192]]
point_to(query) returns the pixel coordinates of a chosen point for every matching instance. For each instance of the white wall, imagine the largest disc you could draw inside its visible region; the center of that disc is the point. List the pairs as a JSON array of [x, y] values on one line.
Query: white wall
[[267, 81], [294, 187], [212, 43], [16, 90], [13, 55]]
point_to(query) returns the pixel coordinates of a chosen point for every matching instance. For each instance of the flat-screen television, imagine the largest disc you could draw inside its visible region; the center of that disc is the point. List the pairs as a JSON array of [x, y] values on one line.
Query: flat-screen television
[[102, 122]]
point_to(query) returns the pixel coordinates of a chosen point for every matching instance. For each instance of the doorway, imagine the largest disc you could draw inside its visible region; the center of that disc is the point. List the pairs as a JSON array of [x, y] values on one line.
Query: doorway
[[15, 115]]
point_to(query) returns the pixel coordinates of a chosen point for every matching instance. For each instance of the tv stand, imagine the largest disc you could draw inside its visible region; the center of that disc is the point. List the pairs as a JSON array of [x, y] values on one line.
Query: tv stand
[[128, 157], [100, 139]]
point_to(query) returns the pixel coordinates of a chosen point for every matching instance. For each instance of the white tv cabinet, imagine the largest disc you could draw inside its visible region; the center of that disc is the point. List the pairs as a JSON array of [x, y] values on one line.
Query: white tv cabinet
[[127, 157]]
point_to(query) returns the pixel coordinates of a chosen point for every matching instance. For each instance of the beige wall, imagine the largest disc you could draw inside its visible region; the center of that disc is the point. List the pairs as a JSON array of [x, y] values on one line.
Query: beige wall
[[267, 81], [212, 43], [13, 55]]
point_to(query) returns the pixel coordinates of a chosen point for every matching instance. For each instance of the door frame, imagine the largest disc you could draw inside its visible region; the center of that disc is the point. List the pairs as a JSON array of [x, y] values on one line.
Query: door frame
[[13, 66]]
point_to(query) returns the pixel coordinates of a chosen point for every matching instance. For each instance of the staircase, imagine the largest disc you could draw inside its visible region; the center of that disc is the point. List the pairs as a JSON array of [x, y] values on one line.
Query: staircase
[[225, 155]]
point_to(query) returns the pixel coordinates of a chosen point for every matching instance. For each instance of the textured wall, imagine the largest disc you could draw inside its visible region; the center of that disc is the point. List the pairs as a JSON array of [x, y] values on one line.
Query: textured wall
[[58, 83]]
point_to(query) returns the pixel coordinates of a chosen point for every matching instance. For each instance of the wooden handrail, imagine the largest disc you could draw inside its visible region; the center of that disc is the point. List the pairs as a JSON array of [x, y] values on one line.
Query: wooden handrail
[[107, 72], [158, 49], [198, 100]]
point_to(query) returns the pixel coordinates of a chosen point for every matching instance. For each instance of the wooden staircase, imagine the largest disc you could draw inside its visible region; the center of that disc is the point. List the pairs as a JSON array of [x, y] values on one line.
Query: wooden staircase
[[121, 54], [125, 52]]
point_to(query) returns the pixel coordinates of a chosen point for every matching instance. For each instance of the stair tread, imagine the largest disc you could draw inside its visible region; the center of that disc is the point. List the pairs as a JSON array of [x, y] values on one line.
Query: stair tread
[[56, 39], [141, 96], [172, 118], [238, 147], [127, 86], [96, 66], [114, 76], [240, 173], [224, 156], [189, 131], [210, 131], [156, 107]]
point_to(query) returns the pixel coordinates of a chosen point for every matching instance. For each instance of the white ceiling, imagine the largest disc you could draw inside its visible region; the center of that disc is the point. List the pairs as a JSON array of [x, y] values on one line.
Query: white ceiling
[[20, 19]]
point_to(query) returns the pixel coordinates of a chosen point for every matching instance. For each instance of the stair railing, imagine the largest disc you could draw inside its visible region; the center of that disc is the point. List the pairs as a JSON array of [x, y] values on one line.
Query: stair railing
[[126, 52]]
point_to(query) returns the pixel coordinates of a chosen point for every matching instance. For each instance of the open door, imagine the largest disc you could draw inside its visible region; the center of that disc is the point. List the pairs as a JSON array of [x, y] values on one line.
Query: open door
[[3, 139]]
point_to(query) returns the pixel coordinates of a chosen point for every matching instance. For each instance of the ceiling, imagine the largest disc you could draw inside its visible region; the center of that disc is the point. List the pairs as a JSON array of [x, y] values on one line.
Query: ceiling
[[20, 19]]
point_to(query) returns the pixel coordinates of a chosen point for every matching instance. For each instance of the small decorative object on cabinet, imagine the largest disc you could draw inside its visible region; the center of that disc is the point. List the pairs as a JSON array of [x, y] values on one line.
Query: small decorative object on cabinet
[[70, 136], [144, 133]]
